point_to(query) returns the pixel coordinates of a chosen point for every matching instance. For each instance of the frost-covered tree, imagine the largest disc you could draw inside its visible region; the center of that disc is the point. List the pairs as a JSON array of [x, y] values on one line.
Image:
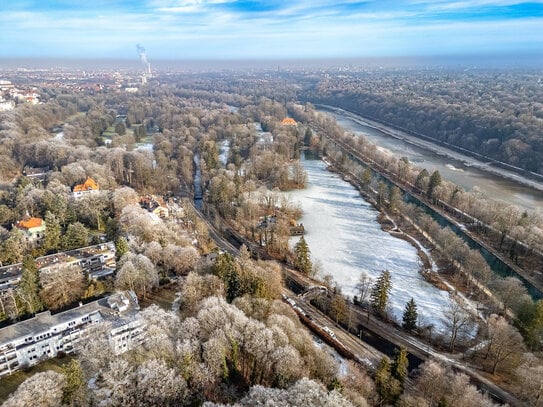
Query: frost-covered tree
[[136, 273], [43, 389], [178, 259], [62, 287], [305, 392], [458, 321], [152, 383], [529, 376], [438, 384], [196, 288], [503, 347]]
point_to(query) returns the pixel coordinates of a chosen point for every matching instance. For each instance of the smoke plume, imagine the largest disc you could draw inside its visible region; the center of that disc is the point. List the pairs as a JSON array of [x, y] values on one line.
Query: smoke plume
[[141, 52]]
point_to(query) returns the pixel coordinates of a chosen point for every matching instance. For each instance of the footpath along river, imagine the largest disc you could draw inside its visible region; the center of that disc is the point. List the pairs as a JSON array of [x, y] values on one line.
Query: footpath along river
[[450, 169], [344, 235]]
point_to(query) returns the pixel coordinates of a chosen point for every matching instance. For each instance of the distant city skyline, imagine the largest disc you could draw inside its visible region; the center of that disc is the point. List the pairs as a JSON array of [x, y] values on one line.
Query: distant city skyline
[[248, 29]]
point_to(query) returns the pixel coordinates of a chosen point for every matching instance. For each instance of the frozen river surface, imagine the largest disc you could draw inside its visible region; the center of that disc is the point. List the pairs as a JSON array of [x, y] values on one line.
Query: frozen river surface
[[343, 234]]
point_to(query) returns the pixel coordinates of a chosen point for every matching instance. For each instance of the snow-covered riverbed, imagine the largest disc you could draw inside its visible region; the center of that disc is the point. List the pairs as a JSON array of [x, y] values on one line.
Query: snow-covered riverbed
[[343, 234]]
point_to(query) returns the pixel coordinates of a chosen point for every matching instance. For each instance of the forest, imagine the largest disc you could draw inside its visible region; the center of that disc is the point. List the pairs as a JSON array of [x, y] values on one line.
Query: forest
[[497, 114], [231, 340]]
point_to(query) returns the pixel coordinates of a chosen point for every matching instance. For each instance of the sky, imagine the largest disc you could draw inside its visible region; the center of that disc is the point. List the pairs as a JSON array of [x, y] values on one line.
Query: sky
[[252, 29]]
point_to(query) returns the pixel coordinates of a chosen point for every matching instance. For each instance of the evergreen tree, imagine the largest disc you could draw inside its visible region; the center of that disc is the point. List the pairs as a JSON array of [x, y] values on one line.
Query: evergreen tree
[[76, 236], [308, 136], [421, 179], [303, 260], [435, 181], [121, 247], [366, 177], [12, 249], [380, 293], [73, 392], [410, 315], [400, 365], [229, 271], [29, 286], [394, 197], [388, 387], [382, 193], [53, 233]]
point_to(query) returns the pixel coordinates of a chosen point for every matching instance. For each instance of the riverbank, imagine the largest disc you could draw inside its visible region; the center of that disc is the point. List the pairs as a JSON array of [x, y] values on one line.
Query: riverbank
[[467, 160], [430, 270]]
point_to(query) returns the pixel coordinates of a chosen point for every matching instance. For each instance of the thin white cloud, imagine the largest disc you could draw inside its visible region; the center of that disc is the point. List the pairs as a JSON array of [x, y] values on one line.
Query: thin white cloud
[[298, 28]]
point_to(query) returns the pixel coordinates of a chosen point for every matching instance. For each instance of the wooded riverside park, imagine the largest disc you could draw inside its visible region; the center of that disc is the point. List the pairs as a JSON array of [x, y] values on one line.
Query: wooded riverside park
[[216, 237]]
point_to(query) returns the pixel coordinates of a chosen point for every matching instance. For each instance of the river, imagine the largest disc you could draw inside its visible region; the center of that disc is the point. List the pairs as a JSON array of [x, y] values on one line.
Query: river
[[344, 235], [450, 169]]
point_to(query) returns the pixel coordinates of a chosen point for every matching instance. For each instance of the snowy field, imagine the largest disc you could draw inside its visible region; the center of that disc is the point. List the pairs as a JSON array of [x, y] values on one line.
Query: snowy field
[[224, 150], [343, 234]]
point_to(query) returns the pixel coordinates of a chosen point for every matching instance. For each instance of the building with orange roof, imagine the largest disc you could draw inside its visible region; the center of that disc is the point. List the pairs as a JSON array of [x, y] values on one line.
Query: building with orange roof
[[88, 187], [289, 121], [33, 228]]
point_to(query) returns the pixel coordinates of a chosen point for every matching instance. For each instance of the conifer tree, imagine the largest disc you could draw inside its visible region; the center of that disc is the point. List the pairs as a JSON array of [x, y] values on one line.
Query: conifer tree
[[400, 365], [74, 390], [28, 288], [410, 315], [303, 260], [435, 181], [388, 387], [366, 177], [121, 247], [421, 179], [53, 233], [380, 293], [76, 236], [228, 270]]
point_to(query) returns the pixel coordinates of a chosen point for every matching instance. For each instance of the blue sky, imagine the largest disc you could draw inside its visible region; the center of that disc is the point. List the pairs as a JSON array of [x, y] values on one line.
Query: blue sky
[[251, 29]]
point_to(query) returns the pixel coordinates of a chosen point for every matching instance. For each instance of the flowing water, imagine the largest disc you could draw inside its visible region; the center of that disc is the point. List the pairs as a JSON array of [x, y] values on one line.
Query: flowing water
[[452, 170]]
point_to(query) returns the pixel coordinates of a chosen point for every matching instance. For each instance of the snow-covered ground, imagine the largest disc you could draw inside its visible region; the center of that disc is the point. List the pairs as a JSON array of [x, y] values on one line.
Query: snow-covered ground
[[343, 234], [144, 146], [224, 150]]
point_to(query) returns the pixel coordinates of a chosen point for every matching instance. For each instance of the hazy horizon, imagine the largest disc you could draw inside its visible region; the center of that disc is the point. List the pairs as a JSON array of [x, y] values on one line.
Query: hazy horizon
[[491, 61]]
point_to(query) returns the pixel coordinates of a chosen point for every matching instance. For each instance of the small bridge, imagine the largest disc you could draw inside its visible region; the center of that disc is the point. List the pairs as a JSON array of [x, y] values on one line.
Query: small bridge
[[314, 290]]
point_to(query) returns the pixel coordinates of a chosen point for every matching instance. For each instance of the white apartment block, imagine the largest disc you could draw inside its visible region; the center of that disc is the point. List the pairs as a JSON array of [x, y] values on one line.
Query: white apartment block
[[45, 336]]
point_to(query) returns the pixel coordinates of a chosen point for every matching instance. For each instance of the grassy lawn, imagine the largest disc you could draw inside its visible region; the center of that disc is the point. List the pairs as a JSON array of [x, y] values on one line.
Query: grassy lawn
[[10, 383], [163, 297]]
